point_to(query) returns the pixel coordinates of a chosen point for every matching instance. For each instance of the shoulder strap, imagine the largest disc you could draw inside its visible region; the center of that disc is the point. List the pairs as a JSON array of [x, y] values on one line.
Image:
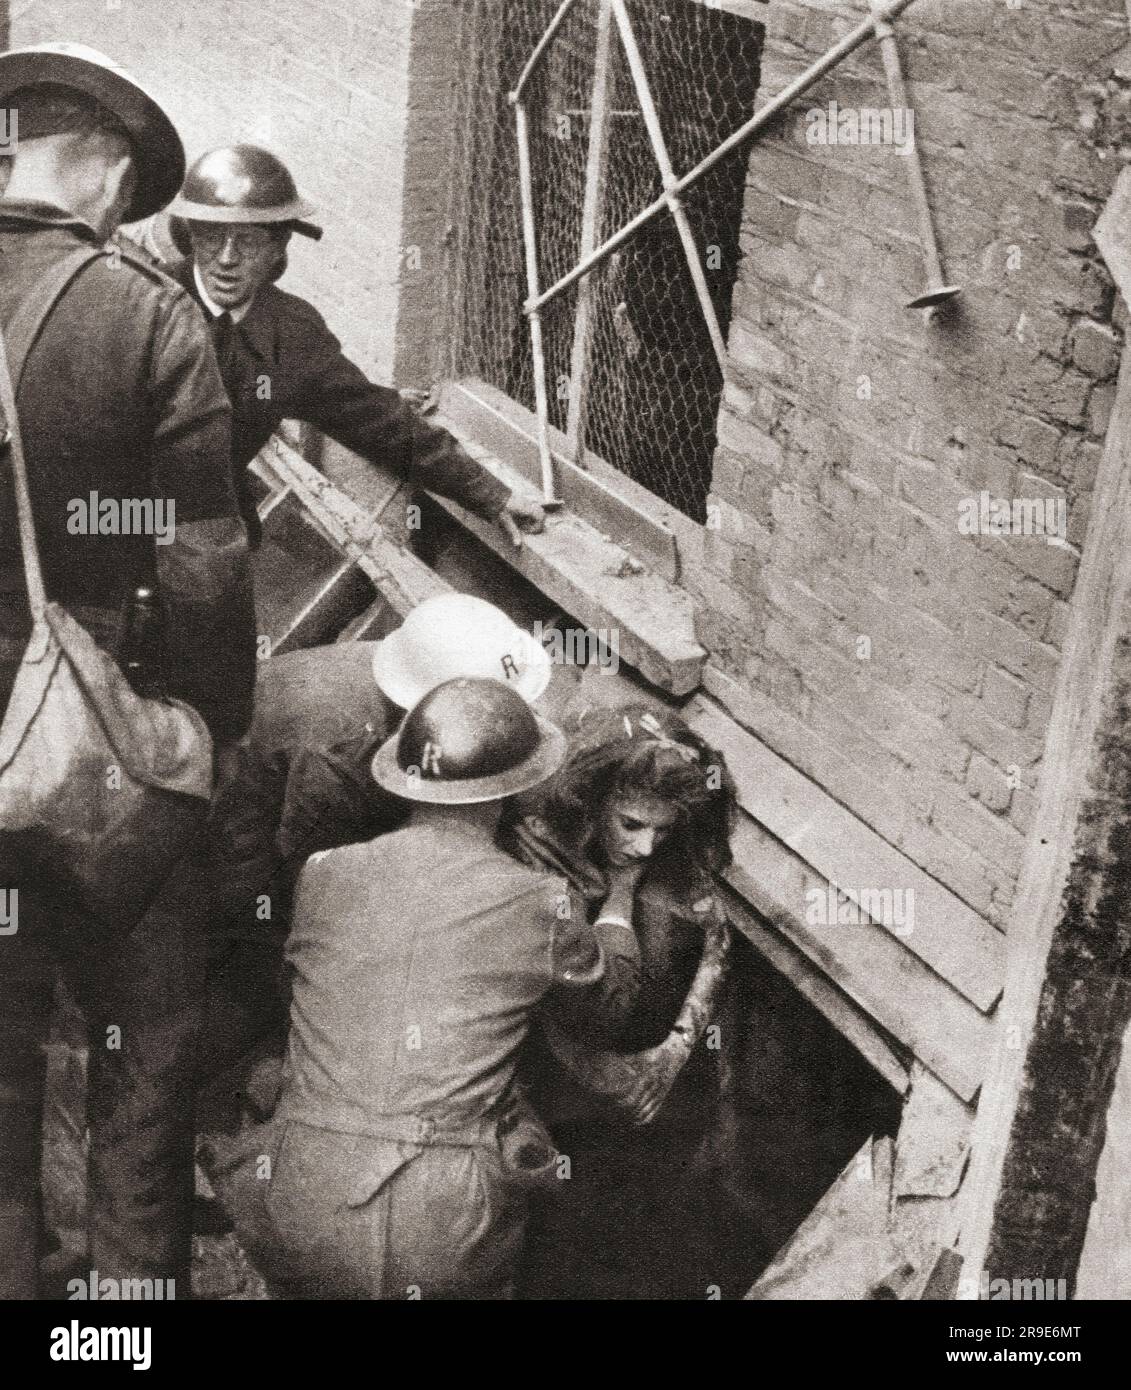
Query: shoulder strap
[[16, 341]]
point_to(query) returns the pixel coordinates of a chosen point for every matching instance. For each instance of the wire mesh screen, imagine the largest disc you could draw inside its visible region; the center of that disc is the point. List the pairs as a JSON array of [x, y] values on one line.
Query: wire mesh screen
[[637, 380]]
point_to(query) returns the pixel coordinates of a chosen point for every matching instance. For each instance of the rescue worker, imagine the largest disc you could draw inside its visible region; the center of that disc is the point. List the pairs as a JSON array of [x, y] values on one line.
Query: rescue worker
[[420, 959], [320, 716], [120, 395], [279, 360]]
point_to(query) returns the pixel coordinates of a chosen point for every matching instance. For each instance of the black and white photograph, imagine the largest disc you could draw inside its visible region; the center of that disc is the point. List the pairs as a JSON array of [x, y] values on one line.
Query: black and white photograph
[[565, 665]]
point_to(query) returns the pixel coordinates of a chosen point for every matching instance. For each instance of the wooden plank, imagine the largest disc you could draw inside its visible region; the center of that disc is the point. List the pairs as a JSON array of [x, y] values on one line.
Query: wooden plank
[[403, 579], [946, 934], [648, 622], [844, 1247], [815, 986], [933, 1139], [1097, 625], [918, 1008], [483, 418]]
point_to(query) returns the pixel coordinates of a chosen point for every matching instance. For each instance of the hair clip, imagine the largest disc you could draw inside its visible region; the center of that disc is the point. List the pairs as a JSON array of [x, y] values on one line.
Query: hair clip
[[651, 726]]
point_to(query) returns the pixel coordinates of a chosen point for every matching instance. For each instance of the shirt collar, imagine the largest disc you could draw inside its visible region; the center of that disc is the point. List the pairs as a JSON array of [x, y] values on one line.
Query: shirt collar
[[236, 314], [45, 215]]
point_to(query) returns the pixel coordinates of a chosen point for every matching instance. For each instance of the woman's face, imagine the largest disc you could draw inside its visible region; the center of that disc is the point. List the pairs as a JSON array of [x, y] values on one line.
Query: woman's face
[[633, 825]]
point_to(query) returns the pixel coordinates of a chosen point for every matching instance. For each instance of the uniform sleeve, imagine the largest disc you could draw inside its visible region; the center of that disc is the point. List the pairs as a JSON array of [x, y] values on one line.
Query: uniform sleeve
[[332, 800], [204, 571], [596, 974], [376, 422]]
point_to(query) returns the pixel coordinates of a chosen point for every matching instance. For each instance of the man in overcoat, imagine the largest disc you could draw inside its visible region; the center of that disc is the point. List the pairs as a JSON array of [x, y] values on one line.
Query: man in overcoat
[[279, 359], [120, 397]]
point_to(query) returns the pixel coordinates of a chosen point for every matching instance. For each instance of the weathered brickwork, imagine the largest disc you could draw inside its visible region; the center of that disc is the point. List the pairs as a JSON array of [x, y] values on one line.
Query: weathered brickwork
[[340, 89], [904, 665]]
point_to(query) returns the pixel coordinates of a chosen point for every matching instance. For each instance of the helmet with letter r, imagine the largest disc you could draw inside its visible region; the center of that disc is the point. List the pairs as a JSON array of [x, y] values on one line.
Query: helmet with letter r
[[468, 741]]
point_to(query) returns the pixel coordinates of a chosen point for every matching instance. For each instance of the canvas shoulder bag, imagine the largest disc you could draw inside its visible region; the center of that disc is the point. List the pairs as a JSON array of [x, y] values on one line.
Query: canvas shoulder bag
[[100, 789]]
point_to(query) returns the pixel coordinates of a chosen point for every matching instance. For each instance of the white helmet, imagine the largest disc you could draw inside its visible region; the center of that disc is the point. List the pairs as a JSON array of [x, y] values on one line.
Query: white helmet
[[454, 635]]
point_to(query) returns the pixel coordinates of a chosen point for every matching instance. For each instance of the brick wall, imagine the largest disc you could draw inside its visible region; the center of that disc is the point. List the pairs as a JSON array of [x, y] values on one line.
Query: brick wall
[[903, 665], [329, 85]]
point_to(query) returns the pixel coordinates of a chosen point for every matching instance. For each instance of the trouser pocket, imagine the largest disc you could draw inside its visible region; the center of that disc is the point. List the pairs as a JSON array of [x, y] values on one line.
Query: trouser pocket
[[528, 1156]]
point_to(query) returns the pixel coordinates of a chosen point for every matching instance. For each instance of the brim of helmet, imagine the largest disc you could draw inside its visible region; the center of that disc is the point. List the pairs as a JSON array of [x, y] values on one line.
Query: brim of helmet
[[541, 765], [297, 210], [399, 683], [176, 231], [159, 155]]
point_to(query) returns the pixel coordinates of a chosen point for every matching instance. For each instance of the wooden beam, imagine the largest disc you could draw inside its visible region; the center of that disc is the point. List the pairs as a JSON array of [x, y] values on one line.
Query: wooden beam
[[813, 984], [946, 934], [403, 579], [486, 421], [649, 622], [918, 1008], [1096, 627]]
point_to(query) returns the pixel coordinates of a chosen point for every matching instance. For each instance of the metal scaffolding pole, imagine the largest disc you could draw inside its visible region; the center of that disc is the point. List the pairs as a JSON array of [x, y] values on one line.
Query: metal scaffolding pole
[[853, 40], [530, 240], [543, 43], [595, 167], [668, 174]]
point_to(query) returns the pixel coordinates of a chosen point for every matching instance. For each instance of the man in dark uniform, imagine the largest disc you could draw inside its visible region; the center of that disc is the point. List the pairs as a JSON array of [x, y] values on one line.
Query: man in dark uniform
[[390, 1175], [279, 360], [120, 396]]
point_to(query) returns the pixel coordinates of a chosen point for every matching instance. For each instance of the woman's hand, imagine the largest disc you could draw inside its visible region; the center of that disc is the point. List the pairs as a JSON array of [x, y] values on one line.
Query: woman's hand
[[623, 883]]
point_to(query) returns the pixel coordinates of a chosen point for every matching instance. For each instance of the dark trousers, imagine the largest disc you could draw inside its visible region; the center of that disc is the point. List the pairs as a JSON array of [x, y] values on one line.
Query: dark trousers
[[142, 997]]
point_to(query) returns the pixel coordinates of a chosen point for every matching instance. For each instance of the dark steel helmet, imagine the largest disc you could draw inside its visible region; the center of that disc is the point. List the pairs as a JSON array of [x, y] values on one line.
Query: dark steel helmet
[[243, 183], [158, 155], [469, 740]]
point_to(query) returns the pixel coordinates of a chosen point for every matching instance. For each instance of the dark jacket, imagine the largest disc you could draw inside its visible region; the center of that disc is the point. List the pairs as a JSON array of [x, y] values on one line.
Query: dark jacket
[[285, 364], [120, 396]]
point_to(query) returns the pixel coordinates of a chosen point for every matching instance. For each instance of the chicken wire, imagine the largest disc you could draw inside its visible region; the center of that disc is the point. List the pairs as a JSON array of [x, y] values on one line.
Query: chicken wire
[[649, 394]]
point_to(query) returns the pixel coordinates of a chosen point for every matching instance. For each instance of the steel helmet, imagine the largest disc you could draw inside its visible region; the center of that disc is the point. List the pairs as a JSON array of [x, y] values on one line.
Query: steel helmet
[[469, 740], [458, 635], [158, 155], [243, 183]]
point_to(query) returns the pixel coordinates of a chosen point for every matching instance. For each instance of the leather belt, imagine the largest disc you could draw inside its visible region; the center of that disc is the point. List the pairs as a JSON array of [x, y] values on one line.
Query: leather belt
[[400, 1129]]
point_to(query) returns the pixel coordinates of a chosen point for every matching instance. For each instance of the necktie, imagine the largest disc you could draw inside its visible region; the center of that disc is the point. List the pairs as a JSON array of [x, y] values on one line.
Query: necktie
[[223, 331]]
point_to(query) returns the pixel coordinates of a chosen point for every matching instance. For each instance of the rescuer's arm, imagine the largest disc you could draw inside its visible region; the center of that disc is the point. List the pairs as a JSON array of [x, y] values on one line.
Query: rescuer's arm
[[596, 972], [378, 423], [637, 1083]]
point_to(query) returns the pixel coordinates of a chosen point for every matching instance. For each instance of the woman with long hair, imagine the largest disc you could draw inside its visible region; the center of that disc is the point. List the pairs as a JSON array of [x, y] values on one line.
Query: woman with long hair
[[642, 800]]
